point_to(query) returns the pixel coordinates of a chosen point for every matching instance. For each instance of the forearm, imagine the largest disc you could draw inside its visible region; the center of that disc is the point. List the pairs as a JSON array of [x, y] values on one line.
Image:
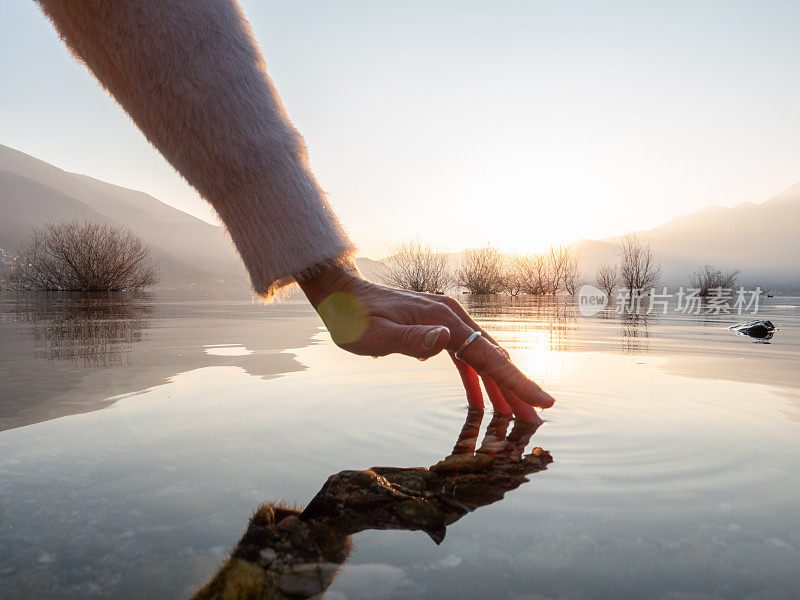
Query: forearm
[[193, 80]]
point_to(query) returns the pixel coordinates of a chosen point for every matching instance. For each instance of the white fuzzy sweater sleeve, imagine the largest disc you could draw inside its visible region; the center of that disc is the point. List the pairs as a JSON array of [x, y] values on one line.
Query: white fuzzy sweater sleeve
[[192, 78]]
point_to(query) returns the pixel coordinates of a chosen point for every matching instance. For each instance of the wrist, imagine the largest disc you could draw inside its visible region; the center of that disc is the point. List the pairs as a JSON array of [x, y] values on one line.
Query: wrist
[[326, 279]]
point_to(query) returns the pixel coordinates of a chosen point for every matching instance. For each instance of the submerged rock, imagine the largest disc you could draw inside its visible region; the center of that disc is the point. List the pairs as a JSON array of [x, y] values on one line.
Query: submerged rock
[[760, 329], [291, 554]]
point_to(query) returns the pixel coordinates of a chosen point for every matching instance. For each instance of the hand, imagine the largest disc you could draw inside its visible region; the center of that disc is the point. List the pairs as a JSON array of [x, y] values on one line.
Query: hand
[[373, 320], [498, 445]]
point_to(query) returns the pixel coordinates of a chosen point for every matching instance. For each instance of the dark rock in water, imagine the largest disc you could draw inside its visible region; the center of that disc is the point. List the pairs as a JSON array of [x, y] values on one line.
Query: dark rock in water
[[290, 554], [760, 329], [418, 498]]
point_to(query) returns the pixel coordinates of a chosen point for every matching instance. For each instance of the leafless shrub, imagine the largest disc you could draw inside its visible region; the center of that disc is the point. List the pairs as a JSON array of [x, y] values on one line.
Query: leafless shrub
[[415, 266], [538, 278], [561, 270], [514, 274], [83, 256], [707, 278], [606, 277], [481, 271], [638, 268], [557, 259], [570, 266], [549, 272]]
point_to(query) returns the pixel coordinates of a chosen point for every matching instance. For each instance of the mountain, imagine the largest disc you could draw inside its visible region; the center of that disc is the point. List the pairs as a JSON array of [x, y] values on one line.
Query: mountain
[[189, 251], [759, 240]]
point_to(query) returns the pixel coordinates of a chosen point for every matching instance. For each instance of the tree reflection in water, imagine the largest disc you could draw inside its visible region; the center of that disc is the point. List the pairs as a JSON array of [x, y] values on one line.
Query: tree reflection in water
[[97, 330], [291, 553], [634, 332], [548, 321]]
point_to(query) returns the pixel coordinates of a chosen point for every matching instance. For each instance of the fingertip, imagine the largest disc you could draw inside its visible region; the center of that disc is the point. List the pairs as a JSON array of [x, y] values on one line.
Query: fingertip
[[527, 414], [544, 399], [536, 396], [523, 411]]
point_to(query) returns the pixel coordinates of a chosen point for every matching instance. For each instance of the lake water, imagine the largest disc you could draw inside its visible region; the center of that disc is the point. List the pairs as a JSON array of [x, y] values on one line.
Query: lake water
[[138, 435]]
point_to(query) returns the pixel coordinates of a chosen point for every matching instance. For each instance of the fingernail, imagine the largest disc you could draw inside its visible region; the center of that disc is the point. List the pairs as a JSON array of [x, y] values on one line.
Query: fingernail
[[432, 336]]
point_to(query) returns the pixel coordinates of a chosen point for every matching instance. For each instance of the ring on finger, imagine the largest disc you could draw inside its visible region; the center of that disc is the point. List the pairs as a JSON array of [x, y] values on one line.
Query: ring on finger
[[474, 336]]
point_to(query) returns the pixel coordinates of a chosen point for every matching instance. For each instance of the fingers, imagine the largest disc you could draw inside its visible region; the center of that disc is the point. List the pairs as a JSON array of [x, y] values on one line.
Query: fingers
[[495, 436], [499, 403], [462, 314], [469, 377], [524, 412], [488, 358], [490, 362], [504, 403], [468, 437], [517, 440], [514, 407], [471, 383], [522, 433], [384, 337]]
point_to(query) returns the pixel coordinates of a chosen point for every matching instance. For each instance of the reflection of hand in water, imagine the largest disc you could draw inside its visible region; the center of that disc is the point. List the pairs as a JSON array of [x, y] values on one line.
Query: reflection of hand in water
[[288, 553], [430, 499]]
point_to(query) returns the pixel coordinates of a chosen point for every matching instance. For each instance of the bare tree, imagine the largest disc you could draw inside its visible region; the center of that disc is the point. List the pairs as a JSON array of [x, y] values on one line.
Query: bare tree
[[514, 274], [83, 256], [638, 268], [571, 270], [552, 271], [548, 272], [557, 258], [481, 271], [606, 276], [537, 279], [707, 278], [415, 266]]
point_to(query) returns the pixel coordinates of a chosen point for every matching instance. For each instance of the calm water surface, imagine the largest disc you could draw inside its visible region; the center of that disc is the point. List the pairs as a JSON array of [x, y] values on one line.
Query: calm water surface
[[138, 434]]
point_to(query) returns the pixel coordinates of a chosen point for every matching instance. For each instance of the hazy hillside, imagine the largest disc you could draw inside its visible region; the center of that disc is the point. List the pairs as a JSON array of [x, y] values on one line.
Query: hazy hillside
[[16, 194], [189, 250], [760, 240]]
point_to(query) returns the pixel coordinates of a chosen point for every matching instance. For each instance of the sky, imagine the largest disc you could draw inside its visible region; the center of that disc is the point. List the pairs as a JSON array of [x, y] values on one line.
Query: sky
[[515, 123]]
